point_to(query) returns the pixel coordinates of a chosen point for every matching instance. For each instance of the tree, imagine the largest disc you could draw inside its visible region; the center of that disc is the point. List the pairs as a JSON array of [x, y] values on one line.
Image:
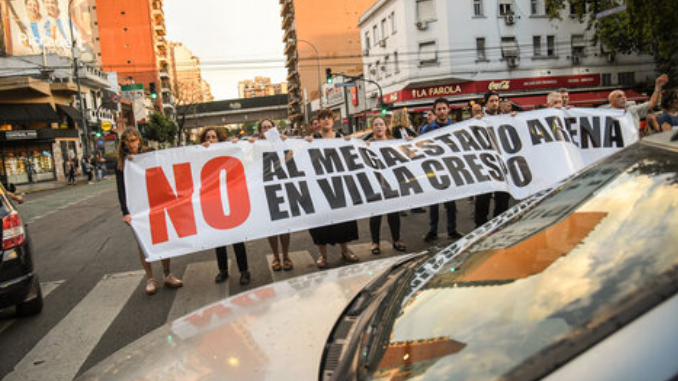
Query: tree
[[647, 26], [161, 128]]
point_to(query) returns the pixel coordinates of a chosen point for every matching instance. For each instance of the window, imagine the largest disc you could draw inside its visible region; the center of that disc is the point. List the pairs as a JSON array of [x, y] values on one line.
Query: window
[[536, 42], [627, 78], [367, 41], [578, 45], [386, 69], [478, 7], [428, 53], [397, 64], [535, 7], [393, 23], [577, 8], [505, 7], [375, 34], [551, 46], [606, 79], [509, 47], [426, 11], [383, 29], [480, 49]]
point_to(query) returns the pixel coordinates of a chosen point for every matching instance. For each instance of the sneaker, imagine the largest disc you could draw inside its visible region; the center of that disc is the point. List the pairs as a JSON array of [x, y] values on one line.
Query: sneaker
[[430, 237], [245, 278], [172, 282], [455, 235], [151, 287]]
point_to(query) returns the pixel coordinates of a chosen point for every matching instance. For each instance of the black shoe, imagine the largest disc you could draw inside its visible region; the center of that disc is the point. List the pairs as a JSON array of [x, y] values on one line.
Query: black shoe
[[430, 237], [455, 235], [221, 277], [418, 210], [245, 278]]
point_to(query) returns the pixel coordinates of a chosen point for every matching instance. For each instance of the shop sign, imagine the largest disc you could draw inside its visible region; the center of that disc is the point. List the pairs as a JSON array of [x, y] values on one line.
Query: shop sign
[[106, 125], [438, 91], [21, 134], [499, 85]]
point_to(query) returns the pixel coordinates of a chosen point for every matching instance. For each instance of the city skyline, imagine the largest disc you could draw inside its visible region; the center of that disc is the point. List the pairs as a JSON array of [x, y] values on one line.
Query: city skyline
[[247, 46]]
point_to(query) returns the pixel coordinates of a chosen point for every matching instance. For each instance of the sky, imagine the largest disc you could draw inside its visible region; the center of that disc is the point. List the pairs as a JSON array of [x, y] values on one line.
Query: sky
[[235, 40]]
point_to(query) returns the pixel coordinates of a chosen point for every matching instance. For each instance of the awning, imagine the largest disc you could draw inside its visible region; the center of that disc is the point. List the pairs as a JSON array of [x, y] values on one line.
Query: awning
[[70, 112], [592, 98], [28, 113]]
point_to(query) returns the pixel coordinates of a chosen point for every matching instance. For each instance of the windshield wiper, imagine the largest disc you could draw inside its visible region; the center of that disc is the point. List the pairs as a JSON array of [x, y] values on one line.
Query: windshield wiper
[[371, 313]]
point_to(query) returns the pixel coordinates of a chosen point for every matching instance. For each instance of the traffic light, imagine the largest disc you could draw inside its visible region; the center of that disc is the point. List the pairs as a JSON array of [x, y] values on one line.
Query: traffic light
[[153, 90], [384, 107], [328, 76]]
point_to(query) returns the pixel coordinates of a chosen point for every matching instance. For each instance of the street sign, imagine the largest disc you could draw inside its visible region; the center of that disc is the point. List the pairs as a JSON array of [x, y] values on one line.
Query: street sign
[[610, 11], [106, 125], [345, 84], [133, 91]]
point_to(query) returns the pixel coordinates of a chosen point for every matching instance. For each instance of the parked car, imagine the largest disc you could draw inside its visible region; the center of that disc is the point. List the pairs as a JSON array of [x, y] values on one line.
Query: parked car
[[19, 285], [576, 282]]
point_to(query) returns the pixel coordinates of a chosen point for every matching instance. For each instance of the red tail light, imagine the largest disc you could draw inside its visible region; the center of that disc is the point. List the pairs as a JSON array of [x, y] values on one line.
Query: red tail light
[[12, 231]]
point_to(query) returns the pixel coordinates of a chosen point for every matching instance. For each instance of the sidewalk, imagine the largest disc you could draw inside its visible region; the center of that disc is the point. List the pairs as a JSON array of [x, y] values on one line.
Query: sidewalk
[[50, 185]]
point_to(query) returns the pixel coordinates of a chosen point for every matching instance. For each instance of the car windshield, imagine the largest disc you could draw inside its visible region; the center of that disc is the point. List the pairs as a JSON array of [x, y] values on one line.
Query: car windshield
[[561, 267]]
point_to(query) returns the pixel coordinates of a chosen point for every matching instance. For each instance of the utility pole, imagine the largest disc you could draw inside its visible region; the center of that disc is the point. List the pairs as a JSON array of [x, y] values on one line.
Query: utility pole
[[76, 73]]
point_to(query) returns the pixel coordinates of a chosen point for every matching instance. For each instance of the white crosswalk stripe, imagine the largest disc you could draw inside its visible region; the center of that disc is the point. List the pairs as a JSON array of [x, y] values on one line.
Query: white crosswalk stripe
[[61, 353], [199, 276]]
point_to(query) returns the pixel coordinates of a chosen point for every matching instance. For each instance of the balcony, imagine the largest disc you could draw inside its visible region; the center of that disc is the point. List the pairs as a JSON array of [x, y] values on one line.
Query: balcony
[[160, 30], [164, 74], [92, 77], [287, 20], [290, 32], [286, 6], [290, 46]]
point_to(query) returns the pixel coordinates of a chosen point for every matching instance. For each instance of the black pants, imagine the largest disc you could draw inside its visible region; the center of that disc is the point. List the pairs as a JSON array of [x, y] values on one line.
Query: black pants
[[393, 224], [71, 176], [240, 257], [434, 216], [482, 206]]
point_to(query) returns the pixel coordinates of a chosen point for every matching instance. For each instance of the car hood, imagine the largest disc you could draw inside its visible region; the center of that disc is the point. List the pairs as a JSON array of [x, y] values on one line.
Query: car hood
[[276, 332]]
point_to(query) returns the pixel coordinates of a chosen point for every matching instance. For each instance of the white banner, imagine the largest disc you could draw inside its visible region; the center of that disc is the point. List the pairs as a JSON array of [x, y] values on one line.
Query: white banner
[[189, 199]]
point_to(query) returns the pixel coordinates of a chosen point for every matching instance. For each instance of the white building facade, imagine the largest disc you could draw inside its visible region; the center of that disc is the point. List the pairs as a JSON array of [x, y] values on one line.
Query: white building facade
[[419, 50]]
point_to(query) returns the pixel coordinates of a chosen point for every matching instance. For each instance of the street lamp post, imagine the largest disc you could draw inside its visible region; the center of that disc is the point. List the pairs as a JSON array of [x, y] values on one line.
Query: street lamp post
[[317, 60], [77, 81]]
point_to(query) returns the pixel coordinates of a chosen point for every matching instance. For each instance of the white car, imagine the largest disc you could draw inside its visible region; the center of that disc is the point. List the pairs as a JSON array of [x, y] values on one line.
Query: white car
[[576, 283]]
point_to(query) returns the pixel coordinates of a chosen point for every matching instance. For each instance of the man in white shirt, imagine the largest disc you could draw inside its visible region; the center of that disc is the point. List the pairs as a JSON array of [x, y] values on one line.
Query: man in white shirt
[[617, 100]]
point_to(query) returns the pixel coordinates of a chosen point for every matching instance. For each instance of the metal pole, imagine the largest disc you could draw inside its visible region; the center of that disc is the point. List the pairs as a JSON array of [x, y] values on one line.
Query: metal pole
[[77, 81], [317, 61], [348, 111]]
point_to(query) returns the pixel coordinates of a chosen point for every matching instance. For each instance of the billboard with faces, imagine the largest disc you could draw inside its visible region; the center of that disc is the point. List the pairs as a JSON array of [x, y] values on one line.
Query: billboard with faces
[[36, 26]]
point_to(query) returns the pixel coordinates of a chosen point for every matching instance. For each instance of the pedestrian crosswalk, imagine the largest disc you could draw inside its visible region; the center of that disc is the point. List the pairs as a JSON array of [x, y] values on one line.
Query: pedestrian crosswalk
[[61, 353]]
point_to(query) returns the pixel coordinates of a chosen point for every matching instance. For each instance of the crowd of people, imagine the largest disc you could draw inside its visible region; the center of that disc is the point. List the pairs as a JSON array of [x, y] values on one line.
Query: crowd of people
[[90, 166], [399, 126]]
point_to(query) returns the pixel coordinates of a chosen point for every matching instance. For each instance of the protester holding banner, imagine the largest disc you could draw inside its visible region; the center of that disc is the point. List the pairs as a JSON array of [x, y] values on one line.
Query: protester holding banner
[[130, 145], [501, 199], [565, 96], [214, 135], [340, 233], [441, 107], [381, 132], [276, 265], [554, 100]]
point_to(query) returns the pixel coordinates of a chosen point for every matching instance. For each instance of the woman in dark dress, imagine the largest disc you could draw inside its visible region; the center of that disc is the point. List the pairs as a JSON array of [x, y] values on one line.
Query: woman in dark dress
[[130, 145], [213, 135], [340, 233]]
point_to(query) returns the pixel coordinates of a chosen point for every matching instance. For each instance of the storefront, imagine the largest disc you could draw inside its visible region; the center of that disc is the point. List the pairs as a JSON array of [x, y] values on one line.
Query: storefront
[[28, 141]]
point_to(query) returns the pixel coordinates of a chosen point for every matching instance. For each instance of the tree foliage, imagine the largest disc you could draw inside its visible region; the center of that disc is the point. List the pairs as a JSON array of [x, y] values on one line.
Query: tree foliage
[[161, 128], [647, 26]]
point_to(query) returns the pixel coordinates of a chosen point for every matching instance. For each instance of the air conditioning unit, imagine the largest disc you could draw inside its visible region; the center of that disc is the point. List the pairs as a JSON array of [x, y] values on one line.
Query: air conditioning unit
[[510, 19], [382, 43], [575, 59], [512, 62], [421, 25]]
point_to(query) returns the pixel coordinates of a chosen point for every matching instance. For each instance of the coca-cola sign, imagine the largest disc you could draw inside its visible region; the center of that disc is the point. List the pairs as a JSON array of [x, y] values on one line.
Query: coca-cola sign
[[497, 86]]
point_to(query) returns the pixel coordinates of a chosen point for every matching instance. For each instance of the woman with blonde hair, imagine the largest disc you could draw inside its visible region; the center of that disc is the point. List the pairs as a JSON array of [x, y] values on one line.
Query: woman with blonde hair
[[130, 145], [401, 126]]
